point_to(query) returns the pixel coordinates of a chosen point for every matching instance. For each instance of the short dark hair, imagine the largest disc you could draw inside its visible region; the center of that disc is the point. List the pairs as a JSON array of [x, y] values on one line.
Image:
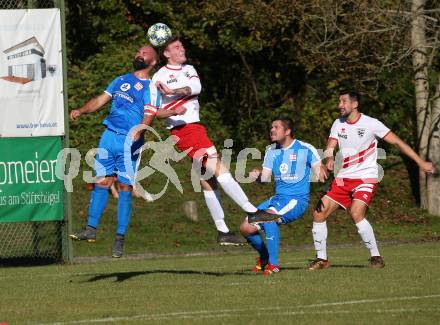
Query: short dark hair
[[287, 123], [352, 94], [171, 40]]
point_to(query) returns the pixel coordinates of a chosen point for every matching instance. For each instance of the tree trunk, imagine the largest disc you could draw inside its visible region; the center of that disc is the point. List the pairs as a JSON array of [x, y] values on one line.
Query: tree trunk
[[428, 113], [434, 153], [421, 83]]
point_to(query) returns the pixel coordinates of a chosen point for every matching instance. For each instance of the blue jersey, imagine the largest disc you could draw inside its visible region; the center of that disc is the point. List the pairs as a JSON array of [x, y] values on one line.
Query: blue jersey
[[132, 98], [291, 168]]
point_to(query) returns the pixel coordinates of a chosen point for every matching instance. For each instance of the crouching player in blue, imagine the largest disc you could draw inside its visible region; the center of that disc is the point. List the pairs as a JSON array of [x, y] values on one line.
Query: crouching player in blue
[[291, 162], [135, 100]]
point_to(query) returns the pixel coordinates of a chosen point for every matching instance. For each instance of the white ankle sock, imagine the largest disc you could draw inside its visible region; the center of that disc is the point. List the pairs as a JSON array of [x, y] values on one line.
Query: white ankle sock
[[234, 191], [367, 235], [319, 232], [213, 202]]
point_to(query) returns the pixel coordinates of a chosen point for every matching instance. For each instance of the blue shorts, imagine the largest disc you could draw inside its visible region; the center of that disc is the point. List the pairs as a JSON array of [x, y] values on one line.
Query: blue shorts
[[289, 208], [121, 158]]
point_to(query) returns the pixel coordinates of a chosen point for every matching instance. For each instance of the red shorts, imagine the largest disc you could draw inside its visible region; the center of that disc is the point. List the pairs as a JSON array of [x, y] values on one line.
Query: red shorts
[[344, 190], [193, 137]]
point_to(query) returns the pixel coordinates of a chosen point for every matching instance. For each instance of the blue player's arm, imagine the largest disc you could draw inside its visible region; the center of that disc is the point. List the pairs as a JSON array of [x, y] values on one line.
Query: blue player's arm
[[91, 106]]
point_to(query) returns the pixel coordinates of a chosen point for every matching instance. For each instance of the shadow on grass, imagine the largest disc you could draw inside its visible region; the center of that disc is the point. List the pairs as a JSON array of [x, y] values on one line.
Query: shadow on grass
[[122, 276]]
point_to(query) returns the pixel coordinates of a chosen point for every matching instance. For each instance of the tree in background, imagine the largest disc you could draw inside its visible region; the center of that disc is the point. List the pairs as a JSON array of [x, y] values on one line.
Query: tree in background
[[259, 59]]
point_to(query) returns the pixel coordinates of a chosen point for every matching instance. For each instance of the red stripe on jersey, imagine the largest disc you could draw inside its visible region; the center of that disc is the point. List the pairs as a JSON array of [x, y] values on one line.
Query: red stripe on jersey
[[333, 138], [360, 153], [386, 134], [169, 68], [359, 160], [179, 102]]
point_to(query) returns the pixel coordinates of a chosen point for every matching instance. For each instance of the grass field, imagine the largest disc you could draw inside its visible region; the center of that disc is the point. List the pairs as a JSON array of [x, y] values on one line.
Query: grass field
[[161, 226], [219, 289]]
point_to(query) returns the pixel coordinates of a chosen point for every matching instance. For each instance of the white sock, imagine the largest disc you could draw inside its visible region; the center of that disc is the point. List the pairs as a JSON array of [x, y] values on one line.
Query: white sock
[[234, 191], [213, 202], [319, 232], [367, 235]]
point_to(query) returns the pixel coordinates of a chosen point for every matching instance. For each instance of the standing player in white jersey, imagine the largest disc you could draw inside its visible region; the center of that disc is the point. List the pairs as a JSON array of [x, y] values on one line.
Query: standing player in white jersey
[[354, 185], [180, 86]]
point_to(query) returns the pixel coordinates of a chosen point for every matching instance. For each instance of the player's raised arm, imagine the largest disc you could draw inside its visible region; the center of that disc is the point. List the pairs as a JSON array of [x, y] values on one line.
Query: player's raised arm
[[91, 106], [393, 139]]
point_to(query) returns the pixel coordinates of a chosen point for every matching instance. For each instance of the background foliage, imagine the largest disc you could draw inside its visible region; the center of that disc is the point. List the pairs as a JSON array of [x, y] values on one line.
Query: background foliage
[[256, 59]]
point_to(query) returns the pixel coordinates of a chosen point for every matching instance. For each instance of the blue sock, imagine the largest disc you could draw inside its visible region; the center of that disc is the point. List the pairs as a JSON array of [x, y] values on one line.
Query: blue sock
[[98, 202], [257, 242], [272, 241], [124, 212]]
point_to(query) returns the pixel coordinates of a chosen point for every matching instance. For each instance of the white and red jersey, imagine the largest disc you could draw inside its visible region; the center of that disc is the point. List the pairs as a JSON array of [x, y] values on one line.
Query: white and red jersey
[[177, 77], [358, 146]]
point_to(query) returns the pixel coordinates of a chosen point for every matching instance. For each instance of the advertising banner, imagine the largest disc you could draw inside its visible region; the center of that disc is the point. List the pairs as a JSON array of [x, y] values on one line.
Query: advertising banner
[[29, 188], [31, 78]]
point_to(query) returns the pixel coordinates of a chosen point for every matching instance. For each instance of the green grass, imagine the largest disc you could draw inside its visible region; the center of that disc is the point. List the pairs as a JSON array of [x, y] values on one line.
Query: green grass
[[162, 227], [219, 289]]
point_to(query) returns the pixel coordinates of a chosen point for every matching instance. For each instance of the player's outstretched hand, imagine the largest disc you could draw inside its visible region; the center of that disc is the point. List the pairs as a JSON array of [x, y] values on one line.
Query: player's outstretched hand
[[427, 167], [255, 173], [75, 114], [164, 89]]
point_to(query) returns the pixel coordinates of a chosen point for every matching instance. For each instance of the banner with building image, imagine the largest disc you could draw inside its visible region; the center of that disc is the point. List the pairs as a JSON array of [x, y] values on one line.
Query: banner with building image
[[31, 79], [29, 188]]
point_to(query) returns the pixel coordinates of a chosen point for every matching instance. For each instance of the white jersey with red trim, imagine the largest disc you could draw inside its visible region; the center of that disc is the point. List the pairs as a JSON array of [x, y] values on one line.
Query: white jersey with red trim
[[177, 77], [358, 146]]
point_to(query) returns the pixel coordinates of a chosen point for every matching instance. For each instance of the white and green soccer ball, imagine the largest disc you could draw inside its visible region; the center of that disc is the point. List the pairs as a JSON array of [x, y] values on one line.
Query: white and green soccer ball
[[158, 34]]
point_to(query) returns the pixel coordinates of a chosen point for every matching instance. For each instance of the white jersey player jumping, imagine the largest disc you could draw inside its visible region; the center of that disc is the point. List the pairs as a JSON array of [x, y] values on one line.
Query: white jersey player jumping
[[180, 86], [354, 185]]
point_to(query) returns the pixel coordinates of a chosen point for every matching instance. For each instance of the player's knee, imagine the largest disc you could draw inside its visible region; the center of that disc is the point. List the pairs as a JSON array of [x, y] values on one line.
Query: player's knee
[[319, 216], [246, 229], [357, 216], [124, 187], [104, 182]]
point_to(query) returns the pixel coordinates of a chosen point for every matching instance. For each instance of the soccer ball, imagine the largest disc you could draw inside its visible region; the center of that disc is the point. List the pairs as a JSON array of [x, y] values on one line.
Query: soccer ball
[[158, 34]]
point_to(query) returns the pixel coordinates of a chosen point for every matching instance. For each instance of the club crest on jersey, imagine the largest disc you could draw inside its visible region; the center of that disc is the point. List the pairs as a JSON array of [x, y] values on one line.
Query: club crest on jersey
[[292, 157], [284, 168], [361, 132], [138, 86], [125, 86]]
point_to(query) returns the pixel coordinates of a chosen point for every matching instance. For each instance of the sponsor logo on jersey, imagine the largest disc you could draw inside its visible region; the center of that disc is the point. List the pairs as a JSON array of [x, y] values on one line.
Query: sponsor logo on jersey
[[284, 168], [125, 86], [186, 74], [344, 136], [292, 157], [361, 132], [169, 81], [123, 95], [138, 86]]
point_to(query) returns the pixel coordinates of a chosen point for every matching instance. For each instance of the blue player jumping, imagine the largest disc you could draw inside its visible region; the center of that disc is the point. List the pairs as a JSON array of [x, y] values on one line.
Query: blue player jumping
[[291, 162], [135, 100]]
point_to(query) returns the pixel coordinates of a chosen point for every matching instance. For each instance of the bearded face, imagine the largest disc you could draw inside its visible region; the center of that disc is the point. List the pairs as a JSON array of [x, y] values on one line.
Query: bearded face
[[140, 64]]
